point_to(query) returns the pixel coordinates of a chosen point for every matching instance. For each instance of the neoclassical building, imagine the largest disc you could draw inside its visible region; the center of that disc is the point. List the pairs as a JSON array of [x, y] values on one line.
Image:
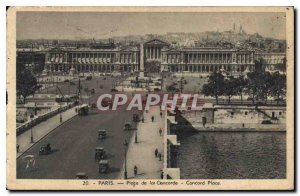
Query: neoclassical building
[[139, 58]]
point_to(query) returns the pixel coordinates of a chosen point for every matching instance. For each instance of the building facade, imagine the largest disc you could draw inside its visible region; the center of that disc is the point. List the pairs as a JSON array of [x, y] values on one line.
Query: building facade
[[166, 57], [272, 61]]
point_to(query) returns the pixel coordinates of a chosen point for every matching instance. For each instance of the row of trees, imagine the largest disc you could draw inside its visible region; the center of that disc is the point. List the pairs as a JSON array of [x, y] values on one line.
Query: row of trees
[[257, 85]]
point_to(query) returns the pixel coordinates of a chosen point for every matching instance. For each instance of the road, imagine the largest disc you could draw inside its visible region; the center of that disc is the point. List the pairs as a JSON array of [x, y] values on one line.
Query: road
[[75, 141]]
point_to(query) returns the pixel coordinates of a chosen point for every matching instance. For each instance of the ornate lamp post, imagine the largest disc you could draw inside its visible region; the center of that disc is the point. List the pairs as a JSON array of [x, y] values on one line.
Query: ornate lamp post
[[31, 134]]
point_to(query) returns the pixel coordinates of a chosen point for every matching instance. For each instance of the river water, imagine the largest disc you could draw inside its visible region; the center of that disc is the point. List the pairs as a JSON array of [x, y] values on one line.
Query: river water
[[231, 155]]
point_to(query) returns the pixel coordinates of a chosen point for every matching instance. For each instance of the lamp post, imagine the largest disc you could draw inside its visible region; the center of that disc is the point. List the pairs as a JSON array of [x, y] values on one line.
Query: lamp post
[[135, 139], [60, 113], [125, 155], [31, 135]]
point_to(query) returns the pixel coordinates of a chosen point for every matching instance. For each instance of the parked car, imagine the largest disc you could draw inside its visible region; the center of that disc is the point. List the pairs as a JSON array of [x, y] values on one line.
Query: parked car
[[88, 78]]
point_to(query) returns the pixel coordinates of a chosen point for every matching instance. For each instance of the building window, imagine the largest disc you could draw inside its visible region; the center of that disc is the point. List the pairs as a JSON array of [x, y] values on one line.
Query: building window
[[246, 113]]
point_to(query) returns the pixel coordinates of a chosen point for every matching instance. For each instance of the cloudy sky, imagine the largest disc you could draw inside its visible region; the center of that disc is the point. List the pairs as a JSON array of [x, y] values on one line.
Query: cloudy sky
[[77, 25]]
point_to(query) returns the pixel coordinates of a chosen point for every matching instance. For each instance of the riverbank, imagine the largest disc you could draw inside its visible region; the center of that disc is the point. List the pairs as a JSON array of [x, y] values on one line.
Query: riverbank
[[234, 127]]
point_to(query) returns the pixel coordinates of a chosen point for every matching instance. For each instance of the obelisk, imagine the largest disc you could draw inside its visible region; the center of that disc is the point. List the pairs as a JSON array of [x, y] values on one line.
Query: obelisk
[[142, 67]]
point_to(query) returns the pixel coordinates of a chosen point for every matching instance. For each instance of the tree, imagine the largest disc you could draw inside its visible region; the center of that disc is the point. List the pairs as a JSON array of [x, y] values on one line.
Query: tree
[[26, 83], [240, 84], [215, 85], [230, 87], [278, 87], [253, 85]]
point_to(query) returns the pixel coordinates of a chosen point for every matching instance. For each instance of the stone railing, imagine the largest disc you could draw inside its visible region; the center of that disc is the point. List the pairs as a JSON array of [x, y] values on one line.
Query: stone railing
[[38, 119], [169, 142]]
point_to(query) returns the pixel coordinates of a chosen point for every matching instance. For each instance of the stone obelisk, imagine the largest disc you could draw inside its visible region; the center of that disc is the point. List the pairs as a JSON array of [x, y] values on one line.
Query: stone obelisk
[[142, 67]]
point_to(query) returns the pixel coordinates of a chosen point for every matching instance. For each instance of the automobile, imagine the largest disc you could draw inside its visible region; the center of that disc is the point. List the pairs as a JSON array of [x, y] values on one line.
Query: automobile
[[157, 84], [101, 134], [66, 80], [113, 90], [103, 166], [104, 78], [83, 110], [156, 89], [72, 83], [88, 78], [135, 118], [81, 175], [45, 150], [100, 153], [127, 126]]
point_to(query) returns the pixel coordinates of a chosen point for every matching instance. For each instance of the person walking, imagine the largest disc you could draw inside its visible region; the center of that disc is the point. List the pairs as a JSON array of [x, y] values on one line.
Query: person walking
[[160, 131], [162, 175], [160, 114], [156, 152], [18, 148], [159, 156], [152, 118], [135, 170]]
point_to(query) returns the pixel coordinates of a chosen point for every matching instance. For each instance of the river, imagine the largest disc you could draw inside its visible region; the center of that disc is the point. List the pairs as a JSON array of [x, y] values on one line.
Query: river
[[231, 155]]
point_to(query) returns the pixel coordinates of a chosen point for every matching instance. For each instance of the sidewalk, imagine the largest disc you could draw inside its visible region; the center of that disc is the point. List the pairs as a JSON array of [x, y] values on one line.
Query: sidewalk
[[142, 154], [42, 129]]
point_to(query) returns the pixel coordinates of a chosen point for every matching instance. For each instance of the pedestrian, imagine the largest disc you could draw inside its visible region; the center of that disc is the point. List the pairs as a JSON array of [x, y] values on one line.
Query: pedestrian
[[159, 156], [160, 114], [152, 118], [143, 119], [156, 152], [135, 170], [162, 175], [243, 125], [160, 131], [18, 148]]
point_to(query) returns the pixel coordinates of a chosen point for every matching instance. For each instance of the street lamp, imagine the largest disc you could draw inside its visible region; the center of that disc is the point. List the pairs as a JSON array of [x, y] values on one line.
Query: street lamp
[[31, 135], [135, 139], [60, 113], [125, 155]]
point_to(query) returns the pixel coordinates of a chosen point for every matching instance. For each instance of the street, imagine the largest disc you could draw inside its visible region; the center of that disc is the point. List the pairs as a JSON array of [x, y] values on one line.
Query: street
[[74, 143]]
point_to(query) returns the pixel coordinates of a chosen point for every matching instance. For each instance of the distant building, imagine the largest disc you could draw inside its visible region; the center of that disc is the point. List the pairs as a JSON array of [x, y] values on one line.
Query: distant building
[[109, 57], [272, 61]]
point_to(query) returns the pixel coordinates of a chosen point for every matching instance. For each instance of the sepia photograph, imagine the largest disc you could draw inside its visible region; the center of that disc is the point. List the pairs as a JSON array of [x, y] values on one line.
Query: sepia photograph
[[150, 98]]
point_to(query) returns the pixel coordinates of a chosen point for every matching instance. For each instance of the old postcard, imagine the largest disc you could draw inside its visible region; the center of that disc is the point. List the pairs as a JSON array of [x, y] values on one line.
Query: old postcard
[[150, 98]]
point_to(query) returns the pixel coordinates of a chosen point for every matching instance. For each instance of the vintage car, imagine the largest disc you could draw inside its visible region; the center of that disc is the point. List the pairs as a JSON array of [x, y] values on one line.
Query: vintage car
[[81, 175], [102, 134], [103, 166], [83, 110], [100, 153], [135, 118], [45, 150], [127, 126]]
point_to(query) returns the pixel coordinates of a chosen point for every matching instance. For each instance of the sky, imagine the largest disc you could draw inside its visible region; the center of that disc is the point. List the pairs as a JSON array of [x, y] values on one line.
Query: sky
[[101, 25]]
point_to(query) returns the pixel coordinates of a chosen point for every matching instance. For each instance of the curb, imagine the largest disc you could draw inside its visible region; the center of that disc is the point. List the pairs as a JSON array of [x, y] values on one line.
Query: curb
[[18, 156]]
